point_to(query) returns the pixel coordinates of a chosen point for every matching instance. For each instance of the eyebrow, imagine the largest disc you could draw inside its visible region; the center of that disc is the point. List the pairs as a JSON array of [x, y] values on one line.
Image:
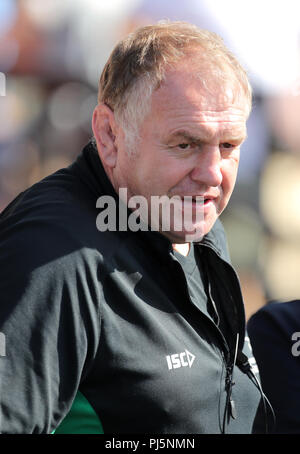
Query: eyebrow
[[206, 137]]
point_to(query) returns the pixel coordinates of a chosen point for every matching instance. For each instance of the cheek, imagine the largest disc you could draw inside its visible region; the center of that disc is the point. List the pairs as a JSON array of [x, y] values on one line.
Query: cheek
[[167, 175], [229, 172], [151, 178]]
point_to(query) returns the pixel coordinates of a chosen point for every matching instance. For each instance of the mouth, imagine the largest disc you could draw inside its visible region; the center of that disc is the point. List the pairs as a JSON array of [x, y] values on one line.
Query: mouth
[[198, 199], [207, 200]]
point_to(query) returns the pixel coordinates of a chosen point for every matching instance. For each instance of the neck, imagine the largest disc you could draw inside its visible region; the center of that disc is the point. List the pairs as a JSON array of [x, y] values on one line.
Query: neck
[[182, 248]]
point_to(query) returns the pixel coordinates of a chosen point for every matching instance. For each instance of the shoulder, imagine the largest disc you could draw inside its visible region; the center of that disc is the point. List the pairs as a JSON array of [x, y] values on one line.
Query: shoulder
[[53, 198], [283, 315], [48, 258], [58, 213], [50, 230], [275, 322]]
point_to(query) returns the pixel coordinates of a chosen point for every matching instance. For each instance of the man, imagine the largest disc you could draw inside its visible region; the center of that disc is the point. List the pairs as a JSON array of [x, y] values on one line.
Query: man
[[117, 330]]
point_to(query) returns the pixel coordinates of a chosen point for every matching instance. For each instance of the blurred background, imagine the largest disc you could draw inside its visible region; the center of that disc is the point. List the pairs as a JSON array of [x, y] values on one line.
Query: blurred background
[[51, 55]]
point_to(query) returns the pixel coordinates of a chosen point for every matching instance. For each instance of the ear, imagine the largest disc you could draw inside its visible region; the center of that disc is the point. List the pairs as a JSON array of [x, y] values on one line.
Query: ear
[[105, 130]]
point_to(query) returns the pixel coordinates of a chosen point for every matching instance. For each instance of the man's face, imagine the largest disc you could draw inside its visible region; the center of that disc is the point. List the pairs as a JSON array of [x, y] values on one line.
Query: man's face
[[189, 146]]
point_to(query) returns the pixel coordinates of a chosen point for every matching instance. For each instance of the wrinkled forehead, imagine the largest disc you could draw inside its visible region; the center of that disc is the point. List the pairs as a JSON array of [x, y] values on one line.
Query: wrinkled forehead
[[217, 86]]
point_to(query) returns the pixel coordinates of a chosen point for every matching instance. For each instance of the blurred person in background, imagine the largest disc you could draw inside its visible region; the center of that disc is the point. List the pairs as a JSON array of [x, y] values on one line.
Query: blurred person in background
[[113, 330], [52, 66], [274, 332]]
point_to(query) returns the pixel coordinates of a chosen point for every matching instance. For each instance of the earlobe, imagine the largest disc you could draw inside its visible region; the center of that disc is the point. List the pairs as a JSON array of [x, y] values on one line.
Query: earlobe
[[104, 128]]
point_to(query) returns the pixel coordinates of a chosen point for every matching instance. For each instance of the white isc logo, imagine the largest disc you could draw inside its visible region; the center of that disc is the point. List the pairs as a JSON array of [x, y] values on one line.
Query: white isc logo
[[177, 360]]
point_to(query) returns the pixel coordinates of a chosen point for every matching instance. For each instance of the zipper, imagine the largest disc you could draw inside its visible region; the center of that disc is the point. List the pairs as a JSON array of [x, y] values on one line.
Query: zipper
[[230, 408], [213, 305], [226, 357]]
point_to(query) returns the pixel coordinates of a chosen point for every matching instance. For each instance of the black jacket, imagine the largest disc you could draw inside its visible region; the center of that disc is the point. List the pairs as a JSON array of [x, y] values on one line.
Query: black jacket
[[274, 331], [102, 322]]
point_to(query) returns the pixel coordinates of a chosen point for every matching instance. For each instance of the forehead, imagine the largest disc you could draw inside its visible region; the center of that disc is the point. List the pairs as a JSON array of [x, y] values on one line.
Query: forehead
[[184, 100]]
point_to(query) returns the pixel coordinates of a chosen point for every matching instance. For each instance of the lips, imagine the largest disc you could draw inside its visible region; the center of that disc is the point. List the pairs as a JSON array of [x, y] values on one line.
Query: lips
[[198, 198]]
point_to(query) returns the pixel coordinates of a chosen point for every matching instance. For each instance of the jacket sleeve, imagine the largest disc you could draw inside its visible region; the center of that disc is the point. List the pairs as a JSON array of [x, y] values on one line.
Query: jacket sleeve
[[50, 324]]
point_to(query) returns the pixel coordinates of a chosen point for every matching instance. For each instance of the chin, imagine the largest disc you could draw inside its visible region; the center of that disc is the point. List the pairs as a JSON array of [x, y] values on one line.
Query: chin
[[184, 236], [193, 234]]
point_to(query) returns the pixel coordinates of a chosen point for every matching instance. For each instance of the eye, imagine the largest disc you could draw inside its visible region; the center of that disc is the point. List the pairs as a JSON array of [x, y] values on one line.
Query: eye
[[227, 145], [183, 146]]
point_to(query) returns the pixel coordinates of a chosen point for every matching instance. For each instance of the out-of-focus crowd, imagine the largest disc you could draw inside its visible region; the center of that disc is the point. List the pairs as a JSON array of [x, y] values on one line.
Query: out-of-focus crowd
[[51, 56]]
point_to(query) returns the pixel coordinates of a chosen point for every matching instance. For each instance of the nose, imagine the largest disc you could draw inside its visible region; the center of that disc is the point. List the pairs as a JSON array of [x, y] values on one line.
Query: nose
[[207, 169]]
